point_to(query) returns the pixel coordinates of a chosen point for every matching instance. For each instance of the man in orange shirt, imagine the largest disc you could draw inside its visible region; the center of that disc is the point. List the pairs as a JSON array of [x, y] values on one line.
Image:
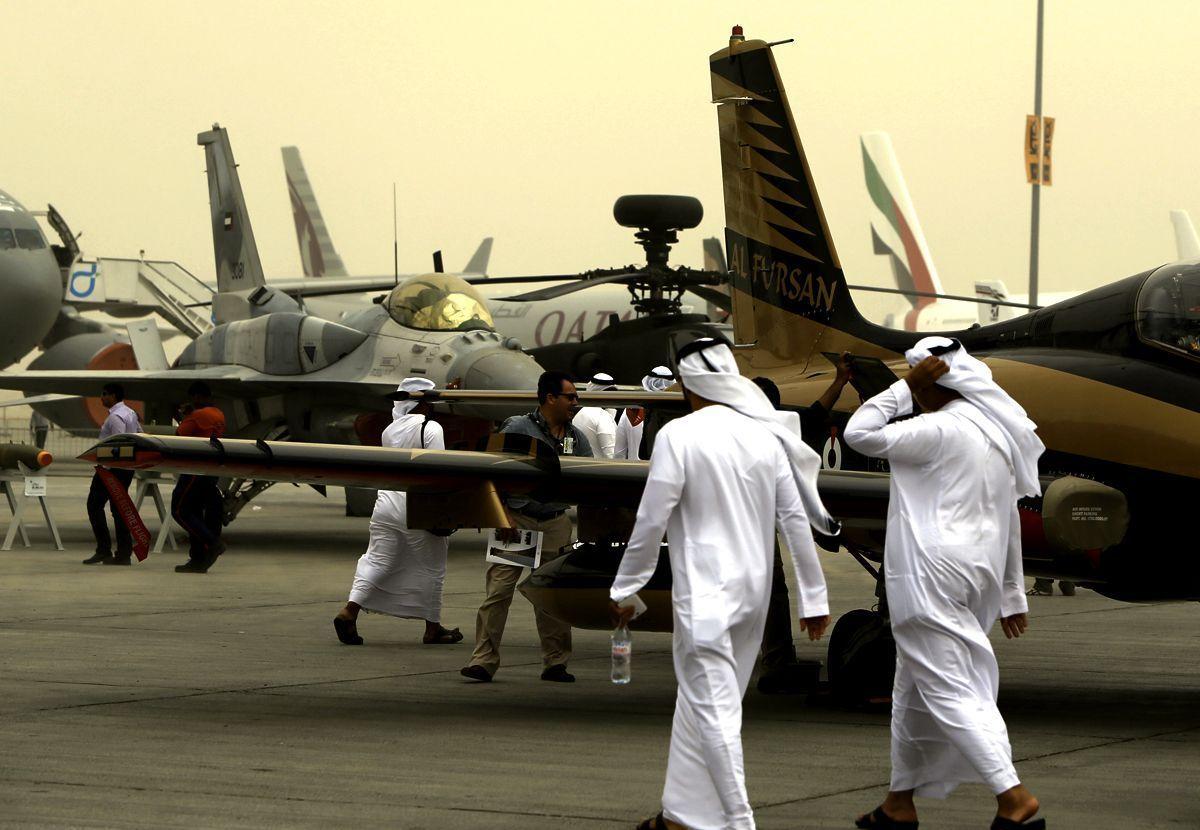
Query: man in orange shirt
[[196, 500]]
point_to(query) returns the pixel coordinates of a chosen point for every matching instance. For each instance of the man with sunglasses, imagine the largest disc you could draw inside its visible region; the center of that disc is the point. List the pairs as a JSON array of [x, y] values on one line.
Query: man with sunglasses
[[550, 423]]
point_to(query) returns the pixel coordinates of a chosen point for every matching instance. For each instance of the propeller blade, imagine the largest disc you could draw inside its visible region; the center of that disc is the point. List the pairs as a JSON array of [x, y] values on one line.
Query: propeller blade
[[478, 279], [555, 291]]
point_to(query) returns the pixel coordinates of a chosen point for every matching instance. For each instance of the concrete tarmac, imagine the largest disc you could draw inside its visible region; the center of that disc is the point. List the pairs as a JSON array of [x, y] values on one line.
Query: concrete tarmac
[[138, 697]]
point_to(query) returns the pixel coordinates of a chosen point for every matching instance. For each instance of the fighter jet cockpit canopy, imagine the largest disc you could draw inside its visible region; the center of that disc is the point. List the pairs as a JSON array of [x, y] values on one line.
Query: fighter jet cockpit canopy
[[438, 302], [1168, 308]]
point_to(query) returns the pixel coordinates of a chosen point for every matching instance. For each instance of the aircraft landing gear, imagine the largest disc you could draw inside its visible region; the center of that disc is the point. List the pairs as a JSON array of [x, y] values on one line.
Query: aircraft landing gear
[[862, 653]]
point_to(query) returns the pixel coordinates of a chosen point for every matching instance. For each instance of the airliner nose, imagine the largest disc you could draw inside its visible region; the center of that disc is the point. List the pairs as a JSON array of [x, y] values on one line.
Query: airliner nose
[[30, 297]]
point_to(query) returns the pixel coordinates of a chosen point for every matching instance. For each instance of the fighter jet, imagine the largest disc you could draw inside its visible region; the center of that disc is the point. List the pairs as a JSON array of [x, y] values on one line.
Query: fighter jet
[[1112, 378], [280, 373]]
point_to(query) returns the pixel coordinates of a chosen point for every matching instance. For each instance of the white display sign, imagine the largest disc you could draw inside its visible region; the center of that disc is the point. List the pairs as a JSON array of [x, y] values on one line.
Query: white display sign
[[526, 552], [35, 485]]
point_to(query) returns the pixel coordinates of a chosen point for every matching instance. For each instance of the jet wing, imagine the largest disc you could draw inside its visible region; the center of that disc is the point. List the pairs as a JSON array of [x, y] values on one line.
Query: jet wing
[[172, 384], [458, 487]]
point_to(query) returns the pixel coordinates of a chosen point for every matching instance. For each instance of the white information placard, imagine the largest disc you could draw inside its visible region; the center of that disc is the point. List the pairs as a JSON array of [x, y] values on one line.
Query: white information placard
[[35, 485], [526, 552]]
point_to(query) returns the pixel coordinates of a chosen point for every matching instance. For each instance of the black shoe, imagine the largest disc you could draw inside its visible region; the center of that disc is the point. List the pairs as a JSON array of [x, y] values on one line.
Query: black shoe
[[882, 821], [98, 557], [476, 673], [118, 560], [192, 566], [1067, 588], [347, 631], [558, 674]]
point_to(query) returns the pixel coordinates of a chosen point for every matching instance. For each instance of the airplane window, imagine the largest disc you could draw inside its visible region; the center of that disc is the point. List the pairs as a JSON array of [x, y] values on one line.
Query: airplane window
[[7, 240], [1169, 309], [439, 302], [30, 239]]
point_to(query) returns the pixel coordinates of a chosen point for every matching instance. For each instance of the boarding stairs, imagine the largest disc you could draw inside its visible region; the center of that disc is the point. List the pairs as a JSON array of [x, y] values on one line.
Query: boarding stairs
[[129, 286]]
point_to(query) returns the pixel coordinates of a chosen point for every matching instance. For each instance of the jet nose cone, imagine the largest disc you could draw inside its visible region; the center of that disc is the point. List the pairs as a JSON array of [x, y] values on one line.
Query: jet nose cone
[[502, 369], [30, 297]]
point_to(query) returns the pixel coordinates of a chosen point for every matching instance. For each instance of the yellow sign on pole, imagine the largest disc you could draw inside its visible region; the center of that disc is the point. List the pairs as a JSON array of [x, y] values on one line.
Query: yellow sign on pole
[[1047, 139], [1033, 150], [1038, 140]]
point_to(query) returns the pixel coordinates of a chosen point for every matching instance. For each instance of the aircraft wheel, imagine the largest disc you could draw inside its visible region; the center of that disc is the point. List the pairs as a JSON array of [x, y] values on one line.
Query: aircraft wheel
[[360, 501], [862, 657]]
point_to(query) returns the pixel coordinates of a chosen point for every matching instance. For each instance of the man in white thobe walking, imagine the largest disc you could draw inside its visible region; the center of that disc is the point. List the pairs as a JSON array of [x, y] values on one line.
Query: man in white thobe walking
[[402, 572], [952, 564], [719, 502]]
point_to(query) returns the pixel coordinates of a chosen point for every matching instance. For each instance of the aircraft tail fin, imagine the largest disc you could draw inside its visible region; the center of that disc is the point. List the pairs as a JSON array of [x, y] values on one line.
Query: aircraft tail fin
[[238, 265], [1187, 245], [714, 255], [789, 292], [478, 264], [317, 254], [895, 228], [993, 290]]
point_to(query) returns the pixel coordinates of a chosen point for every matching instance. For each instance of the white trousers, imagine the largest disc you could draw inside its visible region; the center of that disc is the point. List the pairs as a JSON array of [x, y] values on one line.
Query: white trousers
[[706, 779], [402, 572]]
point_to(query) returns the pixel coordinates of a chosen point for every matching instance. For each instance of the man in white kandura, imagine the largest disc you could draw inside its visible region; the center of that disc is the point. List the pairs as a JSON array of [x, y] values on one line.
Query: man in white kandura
[[597, 423], [952, 565], [719, 502], [633, 419], [402, 572]]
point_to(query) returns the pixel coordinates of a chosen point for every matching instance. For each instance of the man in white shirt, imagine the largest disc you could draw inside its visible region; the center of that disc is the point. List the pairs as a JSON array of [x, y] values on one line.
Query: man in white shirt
[[597, 423], [719, 503], [952, 567], [403, 570], [632, 422], [120, 419]]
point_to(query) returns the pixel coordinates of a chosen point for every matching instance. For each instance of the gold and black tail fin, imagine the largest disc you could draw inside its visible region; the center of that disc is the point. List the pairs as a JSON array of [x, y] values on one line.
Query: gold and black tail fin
[[789, 292]]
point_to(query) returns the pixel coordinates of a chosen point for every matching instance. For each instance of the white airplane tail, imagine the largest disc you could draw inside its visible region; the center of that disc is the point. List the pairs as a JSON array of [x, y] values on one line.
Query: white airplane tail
[[1187, 245], [895, 228], [478, 264], [317, 254]]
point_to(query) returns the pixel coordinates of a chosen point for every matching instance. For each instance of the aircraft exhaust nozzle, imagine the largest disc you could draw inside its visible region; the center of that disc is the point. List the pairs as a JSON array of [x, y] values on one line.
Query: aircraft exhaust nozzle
[[15, 456]]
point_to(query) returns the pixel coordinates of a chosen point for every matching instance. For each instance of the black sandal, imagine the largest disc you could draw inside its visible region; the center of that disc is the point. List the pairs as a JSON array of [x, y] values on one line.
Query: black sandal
[[879, 820], [1001, 823], [656, 823], [444, 637], [347, 631]]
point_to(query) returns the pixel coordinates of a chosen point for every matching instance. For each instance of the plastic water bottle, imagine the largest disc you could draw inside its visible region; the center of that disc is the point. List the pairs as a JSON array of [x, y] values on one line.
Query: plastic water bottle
[[622, 653]]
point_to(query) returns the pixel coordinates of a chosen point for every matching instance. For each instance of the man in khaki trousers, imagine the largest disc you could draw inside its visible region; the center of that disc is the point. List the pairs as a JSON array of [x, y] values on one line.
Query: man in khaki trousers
[[550, 423]]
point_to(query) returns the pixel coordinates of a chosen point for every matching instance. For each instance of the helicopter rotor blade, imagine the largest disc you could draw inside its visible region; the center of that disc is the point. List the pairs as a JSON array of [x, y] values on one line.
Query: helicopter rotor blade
[[555, 291]]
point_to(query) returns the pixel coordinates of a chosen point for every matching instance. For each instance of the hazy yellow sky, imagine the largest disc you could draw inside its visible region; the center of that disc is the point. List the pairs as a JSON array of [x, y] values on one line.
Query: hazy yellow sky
[[525, 120]]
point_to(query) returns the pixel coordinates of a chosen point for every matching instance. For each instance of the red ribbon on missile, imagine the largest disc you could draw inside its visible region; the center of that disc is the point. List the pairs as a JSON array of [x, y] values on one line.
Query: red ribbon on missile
[[128, 513]]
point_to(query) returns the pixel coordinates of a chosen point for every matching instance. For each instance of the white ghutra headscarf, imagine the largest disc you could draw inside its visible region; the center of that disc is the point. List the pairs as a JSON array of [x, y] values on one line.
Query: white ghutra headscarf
[[971, 378], [712, 373], [660, 379], [410, 385]]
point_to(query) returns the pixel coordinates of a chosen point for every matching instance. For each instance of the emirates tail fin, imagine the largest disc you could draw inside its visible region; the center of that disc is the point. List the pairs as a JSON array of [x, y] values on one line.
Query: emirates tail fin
[[895, 228]]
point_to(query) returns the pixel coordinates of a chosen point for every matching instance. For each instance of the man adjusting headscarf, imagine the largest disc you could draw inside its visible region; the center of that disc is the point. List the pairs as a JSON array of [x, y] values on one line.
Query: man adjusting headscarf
[[599, 425], [952, 568], [721, 480]]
